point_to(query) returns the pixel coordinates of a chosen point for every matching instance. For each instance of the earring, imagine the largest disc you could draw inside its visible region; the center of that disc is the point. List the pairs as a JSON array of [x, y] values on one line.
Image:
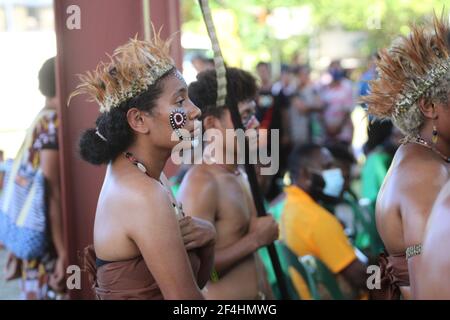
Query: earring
[[177, 120], [434, 136], [434, 133]]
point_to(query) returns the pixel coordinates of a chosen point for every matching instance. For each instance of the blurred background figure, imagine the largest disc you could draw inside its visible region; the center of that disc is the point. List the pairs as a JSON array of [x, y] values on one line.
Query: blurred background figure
[[265, 99], [369, 74], [305, 109], [202, 63], [338, 97], [383, 141], [43, 277], [282, 91], [307, 228]]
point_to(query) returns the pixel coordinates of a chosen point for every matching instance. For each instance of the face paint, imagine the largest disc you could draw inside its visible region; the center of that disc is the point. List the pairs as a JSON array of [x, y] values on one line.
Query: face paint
[[177, 120]]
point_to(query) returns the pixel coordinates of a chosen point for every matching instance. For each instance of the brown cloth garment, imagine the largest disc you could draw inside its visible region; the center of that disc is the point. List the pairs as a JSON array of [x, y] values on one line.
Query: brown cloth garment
[[124, 280], [394, 274]]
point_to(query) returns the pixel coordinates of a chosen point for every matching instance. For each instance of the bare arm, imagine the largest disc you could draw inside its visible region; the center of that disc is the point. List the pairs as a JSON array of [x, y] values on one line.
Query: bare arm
[[199, 195], [158, 232], [49, 163], [427, 180], [355, 274], [199, 237], [436, 262]]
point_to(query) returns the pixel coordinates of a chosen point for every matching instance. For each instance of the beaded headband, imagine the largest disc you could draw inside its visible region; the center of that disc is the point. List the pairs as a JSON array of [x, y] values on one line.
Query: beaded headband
[[422, 85]]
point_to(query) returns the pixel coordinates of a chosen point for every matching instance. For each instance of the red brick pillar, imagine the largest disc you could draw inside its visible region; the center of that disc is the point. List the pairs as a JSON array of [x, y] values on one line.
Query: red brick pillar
[[104, 25]]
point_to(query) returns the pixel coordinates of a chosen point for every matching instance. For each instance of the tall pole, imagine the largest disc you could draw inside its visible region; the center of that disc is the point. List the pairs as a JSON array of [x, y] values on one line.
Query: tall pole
[[237, 122]]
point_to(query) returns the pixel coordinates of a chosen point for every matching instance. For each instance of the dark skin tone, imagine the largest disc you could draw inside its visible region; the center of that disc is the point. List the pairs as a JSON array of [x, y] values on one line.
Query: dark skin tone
[[401, 215], [355, 273], [134, 212]]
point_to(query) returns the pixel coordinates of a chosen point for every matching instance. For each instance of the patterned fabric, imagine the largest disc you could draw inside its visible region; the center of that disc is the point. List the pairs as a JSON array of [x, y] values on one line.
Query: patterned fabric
[[23, 222], [45, 136], [36, 272], [35, 277]]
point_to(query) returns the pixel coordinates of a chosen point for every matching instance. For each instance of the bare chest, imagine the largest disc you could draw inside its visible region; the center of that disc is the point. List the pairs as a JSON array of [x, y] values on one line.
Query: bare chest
[[235, 209]]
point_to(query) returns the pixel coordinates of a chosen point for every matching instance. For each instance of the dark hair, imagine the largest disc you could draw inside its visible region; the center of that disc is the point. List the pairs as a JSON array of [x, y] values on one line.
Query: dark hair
[[285, 68], [300, 158], [241, 86], [342, 152], [46, 78], [263, 64], [301, 68], [113, 125], [378, 132]]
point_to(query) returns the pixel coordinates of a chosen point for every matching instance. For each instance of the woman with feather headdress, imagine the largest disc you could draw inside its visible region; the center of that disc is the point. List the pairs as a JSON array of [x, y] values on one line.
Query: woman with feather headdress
[[413, 90], [144, 247]]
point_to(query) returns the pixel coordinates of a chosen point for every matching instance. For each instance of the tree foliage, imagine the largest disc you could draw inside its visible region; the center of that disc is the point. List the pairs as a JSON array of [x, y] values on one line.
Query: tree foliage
[[380, 19]]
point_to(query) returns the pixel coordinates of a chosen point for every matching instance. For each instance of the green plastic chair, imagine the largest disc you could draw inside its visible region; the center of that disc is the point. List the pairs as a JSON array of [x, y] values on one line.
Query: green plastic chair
[[314, 273], [291, 260], [365, 235], [366, 219], [318, 273]]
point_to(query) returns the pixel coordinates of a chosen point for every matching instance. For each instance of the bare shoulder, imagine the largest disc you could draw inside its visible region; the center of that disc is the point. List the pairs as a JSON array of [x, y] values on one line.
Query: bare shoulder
[[200, 177], [142, 198], [127, 208], [416, 168], [407, 196], [199, 193]]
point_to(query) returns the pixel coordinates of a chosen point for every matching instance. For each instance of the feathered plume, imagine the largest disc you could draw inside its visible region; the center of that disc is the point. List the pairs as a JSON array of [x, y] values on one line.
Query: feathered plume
[[132, 68], [410, 67]]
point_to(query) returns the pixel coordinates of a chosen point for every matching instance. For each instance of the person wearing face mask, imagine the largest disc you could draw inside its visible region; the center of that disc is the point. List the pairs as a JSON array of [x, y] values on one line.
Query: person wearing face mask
[[307, 228], [356, 216]]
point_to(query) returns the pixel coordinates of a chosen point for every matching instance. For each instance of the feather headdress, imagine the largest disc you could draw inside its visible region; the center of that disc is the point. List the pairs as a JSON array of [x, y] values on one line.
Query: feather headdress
[[408, 69], [132, 68]]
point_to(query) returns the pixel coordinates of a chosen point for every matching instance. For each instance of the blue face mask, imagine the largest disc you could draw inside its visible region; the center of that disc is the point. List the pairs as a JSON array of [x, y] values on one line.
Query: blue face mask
[[334, 182], [337, 74]]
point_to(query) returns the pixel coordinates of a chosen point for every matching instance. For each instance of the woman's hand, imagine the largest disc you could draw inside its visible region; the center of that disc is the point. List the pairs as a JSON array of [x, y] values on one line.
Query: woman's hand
[[196, 232]]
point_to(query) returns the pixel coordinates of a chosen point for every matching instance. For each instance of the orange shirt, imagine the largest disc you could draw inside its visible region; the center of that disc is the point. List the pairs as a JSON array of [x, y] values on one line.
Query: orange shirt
[[309, 229]]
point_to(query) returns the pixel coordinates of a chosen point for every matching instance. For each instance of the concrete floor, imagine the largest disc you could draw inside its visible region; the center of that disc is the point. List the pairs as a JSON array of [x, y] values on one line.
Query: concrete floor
[[8, 290]]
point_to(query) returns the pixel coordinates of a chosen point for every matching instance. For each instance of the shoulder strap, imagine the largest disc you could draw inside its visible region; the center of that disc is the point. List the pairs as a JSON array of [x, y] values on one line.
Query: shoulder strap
[[28, 141]]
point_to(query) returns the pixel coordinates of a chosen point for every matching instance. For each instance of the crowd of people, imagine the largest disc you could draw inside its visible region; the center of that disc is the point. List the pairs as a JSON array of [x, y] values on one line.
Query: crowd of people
[[198, 235]]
